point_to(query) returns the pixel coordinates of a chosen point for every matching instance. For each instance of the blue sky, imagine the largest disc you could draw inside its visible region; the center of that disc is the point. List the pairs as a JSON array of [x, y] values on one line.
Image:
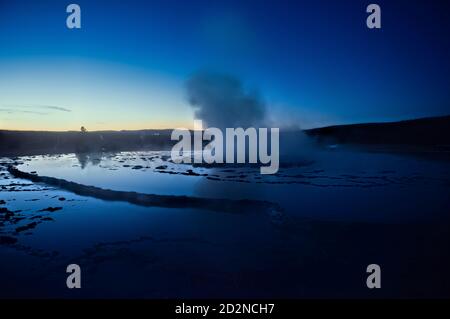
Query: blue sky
[[315, 63]]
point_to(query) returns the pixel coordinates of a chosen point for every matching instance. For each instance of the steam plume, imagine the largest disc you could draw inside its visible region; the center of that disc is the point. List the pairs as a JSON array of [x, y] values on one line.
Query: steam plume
[[220, 100]]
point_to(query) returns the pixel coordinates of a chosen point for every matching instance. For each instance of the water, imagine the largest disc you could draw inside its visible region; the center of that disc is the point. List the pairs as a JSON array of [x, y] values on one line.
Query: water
[[341, 210], [337, 178]]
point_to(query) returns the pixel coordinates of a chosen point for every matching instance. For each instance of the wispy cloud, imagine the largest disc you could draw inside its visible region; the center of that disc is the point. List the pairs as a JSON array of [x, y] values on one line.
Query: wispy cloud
[[14, 111], [25, 109], [56, 108]]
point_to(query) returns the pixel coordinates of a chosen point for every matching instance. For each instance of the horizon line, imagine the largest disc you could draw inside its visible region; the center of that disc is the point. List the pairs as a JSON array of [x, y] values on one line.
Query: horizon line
[[168, 129]]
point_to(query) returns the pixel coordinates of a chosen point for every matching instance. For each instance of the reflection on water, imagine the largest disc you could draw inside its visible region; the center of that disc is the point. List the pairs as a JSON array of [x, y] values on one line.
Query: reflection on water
[[89, 158], [341, 211], [339, 177]]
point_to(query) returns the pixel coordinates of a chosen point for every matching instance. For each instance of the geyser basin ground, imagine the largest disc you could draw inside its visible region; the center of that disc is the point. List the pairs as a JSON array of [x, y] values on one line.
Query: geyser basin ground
[[341, 210]]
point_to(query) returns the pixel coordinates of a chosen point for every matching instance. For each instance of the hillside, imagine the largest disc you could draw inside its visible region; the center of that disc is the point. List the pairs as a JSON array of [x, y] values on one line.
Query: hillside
[[434, 131]]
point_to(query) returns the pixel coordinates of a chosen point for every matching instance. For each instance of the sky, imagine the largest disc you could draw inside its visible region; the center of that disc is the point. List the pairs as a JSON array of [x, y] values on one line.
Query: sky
[[314, 63]]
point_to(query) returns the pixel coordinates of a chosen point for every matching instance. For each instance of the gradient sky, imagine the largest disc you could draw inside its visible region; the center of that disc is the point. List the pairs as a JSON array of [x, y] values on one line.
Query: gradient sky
[[314, 62]]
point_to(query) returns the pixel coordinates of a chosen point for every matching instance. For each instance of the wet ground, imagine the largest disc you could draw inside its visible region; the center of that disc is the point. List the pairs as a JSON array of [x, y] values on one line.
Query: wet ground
[[339, 212]]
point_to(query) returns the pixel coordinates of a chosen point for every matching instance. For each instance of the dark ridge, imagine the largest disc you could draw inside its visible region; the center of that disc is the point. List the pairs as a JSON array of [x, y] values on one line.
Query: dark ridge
[[16, 143], [168, 201], [426, 132], [432, 131]]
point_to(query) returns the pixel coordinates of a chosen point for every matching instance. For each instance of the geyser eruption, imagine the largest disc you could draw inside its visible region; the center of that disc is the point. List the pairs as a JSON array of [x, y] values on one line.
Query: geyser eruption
[[221, 101]]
